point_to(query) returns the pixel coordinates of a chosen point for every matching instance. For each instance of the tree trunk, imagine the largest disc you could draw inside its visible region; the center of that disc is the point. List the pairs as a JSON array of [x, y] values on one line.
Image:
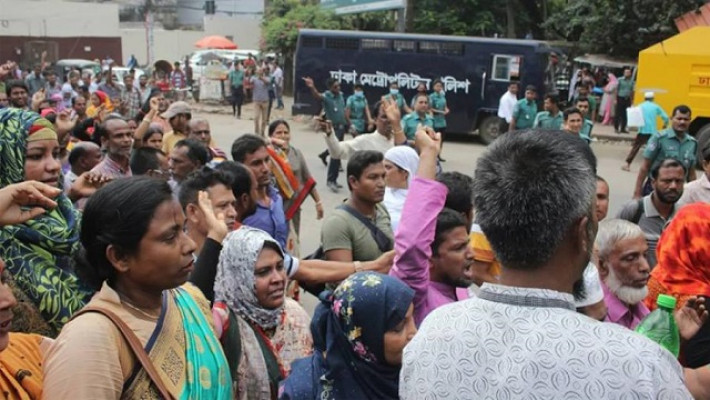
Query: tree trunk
[[409, 15], [510, 16]]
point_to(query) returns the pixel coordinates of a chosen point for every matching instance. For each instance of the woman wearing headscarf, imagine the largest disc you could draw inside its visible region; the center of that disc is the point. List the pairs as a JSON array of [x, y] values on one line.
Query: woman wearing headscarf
[[262, 331], [146, 334], [98, 99], [38, 253], [682, 271], [401, 163], [359, 332], [606, 108]]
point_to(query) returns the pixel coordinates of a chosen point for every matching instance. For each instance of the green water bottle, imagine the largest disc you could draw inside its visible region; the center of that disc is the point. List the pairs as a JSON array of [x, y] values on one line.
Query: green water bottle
[[660, 325]]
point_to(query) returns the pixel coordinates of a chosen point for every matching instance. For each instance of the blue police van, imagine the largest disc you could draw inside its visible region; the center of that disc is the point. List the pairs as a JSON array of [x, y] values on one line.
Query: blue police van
[[475, 71]]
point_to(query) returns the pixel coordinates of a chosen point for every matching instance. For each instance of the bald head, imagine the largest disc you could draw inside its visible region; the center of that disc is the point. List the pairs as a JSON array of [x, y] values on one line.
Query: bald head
[[200, 131], [84, 156]]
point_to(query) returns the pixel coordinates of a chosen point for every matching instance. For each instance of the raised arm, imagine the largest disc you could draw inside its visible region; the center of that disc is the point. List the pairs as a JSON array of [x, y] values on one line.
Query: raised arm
[[417, 226], [312, 86]]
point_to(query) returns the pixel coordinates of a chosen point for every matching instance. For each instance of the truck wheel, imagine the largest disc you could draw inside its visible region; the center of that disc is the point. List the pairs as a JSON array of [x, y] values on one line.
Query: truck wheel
[[489, 130], [703, 137]]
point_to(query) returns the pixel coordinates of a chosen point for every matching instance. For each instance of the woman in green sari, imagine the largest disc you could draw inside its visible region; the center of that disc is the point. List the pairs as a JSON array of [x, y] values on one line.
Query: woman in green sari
[[38, 253], [138, 257]]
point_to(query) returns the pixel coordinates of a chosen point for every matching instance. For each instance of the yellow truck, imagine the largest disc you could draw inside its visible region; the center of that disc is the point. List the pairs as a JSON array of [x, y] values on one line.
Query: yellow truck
[[677, 70]]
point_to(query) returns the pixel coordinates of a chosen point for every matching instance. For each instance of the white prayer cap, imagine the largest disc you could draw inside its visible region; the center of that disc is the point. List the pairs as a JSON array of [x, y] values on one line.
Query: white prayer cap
[[592, 287], [648, 95]]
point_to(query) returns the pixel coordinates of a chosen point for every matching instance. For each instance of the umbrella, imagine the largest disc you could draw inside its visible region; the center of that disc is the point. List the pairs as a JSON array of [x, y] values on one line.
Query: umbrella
[[216, 42]]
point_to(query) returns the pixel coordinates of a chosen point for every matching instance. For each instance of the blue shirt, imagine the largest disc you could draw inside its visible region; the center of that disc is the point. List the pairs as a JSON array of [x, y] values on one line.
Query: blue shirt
[[651, 111], [271, 220], [412, 120]]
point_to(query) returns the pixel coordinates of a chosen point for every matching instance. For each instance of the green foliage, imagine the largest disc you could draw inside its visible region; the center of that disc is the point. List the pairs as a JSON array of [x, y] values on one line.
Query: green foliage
[[284, 18], [619, 28], [467, 18]]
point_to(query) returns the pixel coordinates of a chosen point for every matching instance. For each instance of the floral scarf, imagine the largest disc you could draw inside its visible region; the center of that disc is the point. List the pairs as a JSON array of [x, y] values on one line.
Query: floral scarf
[[234, 284], [348, 330], [38, 253]]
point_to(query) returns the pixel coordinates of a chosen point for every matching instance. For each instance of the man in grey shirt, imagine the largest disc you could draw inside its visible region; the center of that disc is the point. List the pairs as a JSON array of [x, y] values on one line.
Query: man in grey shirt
[[653, 212], [261, 100]]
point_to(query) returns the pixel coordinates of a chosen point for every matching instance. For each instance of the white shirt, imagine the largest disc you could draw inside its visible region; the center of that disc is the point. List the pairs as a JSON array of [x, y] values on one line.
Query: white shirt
[[369, 141], [278, 76], [519, 343], [506, 106]]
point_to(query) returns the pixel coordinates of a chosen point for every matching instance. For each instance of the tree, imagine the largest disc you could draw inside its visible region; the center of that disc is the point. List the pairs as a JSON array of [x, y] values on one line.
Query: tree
[[619, 28]]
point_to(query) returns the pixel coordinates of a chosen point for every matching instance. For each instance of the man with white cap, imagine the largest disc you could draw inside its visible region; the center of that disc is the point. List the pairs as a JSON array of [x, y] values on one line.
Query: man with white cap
[[179, 115], [651, 111], [593, 304]]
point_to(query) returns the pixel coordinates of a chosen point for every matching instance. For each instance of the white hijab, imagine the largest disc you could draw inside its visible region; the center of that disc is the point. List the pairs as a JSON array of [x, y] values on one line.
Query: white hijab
[[407, 159]]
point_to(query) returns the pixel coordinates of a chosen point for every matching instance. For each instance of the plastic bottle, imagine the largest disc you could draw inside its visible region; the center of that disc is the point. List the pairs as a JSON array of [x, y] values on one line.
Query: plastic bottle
[[660, 325]]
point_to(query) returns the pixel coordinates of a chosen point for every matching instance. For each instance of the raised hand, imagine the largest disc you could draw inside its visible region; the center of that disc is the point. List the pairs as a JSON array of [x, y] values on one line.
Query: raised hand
[[308, 81], [691, 317], [391, 109], [23, 201], [216, 226]]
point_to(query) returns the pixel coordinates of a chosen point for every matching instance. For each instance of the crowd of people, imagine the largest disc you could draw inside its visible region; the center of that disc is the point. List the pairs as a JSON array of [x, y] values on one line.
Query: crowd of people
[[142, 261]]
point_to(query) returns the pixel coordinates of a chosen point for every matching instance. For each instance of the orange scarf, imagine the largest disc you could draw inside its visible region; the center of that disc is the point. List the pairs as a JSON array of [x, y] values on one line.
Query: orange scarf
[[21, 373], [683, 252], [281, 169]]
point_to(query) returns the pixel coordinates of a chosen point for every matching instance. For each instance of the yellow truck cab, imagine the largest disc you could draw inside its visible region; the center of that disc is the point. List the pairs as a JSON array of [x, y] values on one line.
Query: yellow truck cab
[[677, 70]]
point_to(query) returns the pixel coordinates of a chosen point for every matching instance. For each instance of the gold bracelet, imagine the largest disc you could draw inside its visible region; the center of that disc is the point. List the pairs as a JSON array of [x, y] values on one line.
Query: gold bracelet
[[358, 266]]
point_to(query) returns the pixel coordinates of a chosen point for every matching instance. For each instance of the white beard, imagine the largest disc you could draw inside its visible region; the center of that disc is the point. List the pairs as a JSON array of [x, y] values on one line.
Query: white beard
[[627, 294]]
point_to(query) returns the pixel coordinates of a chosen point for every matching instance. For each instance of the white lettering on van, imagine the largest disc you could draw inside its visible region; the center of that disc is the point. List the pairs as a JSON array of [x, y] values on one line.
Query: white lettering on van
[[403, 79]]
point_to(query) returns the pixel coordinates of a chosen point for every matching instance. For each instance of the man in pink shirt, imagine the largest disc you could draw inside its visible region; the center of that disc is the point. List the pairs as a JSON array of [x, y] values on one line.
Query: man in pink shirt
[[433, 255], [624, 271]]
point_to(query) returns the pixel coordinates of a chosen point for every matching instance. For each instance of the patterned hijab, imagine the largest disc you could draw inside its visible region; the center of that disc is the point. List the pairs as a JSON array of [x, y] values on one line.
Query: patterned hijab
[[235, 284], [349, 327], [684, 253], [38, 253]]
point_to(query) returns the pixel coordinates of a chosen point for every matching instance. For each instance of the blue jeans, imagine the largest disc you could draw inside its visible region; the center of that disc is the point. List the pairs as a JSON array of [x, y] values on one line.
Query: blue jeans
[[334, 166]]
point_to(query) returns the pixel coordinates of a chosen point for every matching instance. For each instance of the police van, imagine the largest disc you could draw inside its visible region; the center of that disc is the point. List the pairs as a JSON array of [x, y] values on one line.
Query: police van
[[475, 72]]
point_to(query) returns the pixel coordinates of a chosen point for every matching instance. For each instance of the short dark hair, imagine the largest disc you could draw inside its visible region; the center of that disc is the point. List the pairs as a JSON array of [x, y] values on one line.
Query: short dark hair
[[528, 190], [683, 109], [531, 88], [245, 145], [554, 99], [73, 100], [275, 124], [117, 215], [196, 150], [582, 99], [201, 179], [667, 163], [600, 179], [460, 191], [572, 110], [241, 177], [330, 82], [447, 220], [357, 86], [360, 160], [16, 83], [77, 152], [145, 159], [706, 151], [418, 95]]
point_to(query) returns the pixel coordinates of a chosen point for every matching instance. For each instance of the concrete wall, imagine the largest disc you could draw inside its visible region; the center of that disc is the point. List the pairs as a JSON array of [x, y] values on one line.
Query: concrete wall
[[174, 45], [55, 18]]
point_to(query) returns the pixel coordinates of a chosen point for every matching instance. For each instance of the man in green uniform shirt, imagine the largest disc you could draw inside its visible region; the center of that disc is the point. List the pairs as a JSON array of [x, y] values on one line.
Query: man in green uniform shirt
[[582, 104], [552, 118], [525, 111], [420, 115], [334, 108], [395, 95], [439, 110], [357, 111], [625, 93], [673, 143], [236, 84], [585, 90]]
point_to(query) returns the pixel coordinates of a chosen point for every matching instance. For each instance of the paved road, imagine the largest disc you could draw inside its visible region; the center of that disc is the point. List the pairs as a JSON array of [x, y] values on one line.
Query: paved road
[[461, 154]]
